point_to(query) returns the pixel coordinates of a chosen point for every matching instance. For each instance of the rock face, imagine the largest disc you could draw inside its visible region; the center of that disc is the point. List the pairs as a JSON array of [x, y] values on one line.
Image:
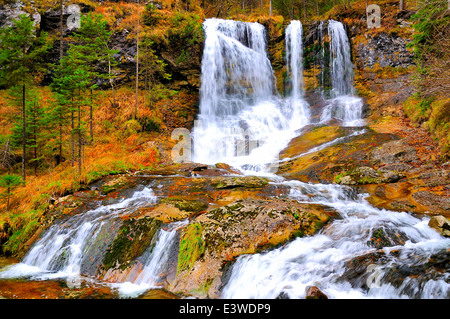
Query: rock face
[[386, 50]]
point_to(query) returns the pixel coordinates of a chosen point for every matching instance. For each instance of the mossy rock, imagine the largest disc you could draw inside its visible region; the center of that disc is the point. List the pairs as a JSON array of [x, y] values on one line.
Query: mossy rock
[[367, 175], [132, 238], [114, 185], [188, 205], [246, 226], [192, 246], [241, 181]]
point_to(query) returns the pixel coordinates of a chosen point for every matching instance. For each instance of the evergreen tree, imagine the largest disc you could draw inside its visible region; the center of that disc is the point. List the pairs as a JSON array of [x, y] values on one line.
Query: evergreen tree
[[21, 53], [34, 125], [10, 182], [94, 42], [72, 80]]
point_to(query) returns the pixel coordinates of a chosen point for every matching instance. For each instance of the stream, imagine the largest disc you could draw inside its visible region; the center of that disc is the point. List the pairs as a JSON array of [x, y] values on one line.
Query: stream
[[245, 123]]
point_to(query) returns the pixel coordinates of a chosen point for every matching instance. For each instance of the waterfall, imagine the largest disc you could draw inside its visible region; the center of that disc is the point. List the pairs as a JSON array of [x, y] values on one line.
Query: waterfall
[[235, 69], [66, 248], [325, 259], [242, 120], [155, 262], [294, 57], [294, 66], [341, 66], [343, 105]]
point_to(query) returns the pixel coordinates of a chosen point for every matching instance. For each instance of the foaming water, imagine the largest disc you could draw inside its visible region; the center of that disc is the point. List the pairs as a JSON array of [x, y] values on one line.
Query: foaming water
[[323, 260], [65, 248], [155, 261], [242, 120], [343, 104]]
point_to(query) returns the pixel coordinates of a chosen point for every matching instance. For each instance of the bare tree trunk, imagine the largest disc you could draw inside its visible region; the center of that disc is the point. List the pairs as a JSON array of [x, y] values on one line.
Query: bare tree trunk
[[270, 7], [35, 141], [61, 30], [137, 61], [401, 5], [60, 144], [24, 143], [8, 195], [91, 117], [73, 137], [111, 81], [79, 139], [304, 9]]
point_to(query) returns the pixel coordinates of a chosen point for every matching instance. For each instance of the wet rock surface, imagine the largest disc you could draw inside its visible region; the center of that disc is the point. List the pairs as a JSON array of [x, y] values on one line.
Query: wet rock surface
[[243, 227]]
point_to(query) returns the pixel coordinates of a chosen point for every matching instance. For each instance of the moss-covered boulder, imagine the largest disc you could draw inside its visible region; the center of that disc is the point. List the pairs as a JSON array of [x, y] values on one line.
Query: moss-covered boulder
[[132, 238], [115, 184], [245, 226], [367, 175], [227, 182], [188, 205]]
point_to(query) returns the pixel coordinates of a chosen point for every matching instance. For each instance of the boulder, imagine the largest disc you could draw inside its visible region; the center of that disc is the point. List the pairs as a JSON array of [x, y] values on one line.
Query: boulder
[[367, 175], [114, 184], [215, 238], [441, 224], [241, 181], [312, 292]]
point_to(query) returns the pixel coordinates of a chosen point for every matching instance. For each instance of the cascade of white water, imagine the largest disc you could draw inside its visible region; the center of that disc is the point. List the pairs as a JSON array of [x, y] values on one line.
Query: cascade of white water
[[341, 66], [63, 248], [294, 57], [242, 120], [323, 260], [294, 66], [343, 105], [155, 262]]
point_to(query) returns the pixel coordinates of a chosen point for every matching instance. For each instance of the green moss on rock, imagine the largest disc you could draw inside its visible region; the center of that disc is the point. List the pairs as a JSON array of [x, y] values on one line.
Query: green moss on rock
[[192, 246], [132, 238], [185, 204]]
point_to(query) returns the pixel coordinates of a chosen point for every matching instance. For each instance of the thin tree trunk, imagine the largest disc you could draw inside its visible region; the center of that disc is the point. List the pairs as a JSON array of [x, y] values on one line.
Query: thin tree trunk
[[35, 141], [270, 7], [79, 139], [60, 144], [401, 5], [137, 61], [91, 113], [61, 30], [73, 137], [8, 194], [304, 9], [111, 81], [24, 143]]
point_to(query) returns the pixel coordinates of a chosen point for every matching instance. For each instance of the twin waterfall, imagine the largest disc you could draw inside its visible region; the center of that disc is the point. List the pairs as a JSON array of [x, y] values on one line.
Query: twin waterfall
[[245, 122]]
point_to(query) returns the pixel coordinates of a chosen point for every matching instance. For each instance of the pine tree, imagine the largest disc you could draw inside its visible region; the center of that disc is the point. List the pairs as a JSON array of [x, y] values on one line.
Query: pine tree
[[34, 125], [94, 42], [71, 81], [21, 56], [10, 182]]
